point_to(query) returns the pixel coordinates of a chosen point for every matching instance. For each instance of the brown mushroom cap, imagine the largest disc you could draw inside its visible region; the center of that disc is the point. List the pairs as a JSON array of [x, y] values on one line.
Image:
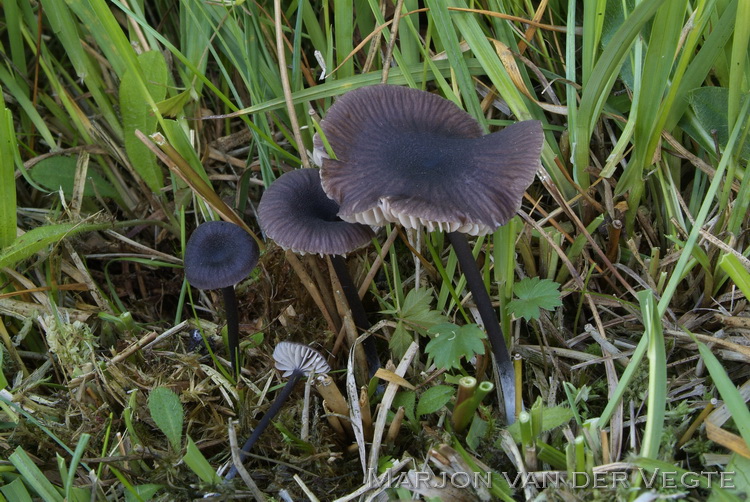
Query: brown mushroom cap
[[411, 157], [296, 213], [293, 357]]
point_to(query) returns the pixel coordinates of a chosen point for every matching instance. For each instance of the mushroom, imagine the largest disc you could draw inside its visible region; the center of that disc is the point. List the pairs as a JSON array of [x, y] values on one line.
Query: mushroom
[[218, 255], [411, 157], [296, 213], [294, 360]]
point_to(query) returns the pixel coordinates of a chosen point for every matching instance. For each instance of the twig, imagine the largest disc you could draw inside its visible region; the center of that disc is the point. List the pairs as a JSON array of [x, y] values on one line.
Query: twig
[[310, 495], [377, 263], [385, 405], [281, 55], [311, 288], [389, 49], [237, 461], [171, 331]]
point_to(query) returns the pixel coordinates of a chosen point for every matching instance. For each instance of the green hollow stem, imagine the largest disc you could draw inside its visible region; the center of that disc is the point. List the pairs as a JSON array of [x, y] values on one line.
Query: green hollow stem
[[233, 328], [267, 417], [466, 387], [491, 322], [463, 411], [359, 315], [524, 421]]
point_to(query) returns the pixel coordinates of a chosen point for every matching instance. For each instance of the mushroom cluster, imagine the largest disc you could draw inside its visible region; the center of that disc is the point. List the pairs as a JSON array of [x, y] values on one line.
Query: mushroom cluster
[[414, 158], [400, 156]]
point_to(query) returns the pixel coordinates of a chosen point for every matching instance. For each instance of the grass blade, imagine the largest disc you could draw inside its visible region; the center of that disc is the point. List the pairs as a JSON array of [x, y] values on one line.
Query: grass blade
[[343, 36], [34, 476], [8, 158], [449, 41], [601, 81], [657, 375], [41, 237], [77, 456], [700, 218], [730, 264], [199, 465], [16, 491], [738, 65]]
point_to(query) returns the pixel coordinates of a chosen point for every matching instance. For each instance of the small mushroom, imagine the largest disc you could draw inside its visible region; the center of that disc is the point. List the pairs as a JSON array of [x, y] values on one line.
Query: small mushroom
[[296, 213], [293, 360], [411, 157], [218, 255]]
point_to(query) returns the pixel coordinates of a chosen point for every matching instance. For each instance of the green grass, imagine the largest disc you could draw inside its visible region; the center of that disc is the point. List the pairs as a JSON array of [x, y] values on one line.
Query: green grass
[[157, 116]]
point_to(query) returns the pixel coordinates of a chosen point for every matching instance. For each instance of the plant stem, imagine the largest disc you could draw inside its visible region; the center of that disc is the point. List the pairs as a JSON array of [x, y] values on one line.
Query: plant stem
[[233, 328], [491, 323], [267, 417], [359, 316]]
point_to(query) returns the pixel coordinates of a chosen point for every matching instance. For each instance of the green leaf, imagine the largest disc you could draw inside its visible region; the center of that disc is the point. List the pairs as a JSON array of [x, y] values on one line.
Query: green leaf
[[8, 154], [434, 399], [199, 465], [166, 410], [727, 390], [33, 476], [400, 340], [657, 375], [710, 105], [138, 115], [41, 237], [74, 463], [58, 173], [534, 294], [672, 474], [552, 418], [3, 381], [407, 399], [143, 492], [477, 432], [171, 107], [730, 264], [450, 343], [601, 80], [416, 310], [16, 490], [740, 466]]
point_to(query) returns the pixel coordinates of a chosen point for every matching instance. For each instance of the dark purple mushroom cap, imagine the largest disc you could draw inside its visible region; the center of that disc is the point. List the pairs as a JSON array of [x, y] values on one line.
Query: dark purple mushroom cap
[[290, 357], [296, 213], [411, 157], [219, 254]]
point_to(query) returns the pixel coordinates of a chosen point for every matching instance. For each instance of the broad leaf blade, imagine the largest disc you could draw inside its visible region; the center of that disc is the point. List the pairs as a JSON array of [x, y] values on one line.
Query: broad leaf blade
[[138, 115], [451, 343], [166, 410], [433, 399], [534, 294]]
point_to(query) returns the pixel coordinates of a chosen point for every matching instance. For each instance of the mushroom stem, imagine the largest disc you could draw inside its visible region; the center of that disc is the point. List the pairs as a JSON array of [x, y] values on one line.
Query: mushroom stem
[[233, 327], [267, 417], [359, 316], [491, 322]]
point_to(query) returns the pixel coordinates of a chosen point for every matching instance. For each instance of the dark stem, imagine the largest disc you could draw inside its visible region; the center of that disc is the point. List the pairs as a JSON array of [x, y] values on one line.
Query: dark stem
[[267, 417], [359, 316], [491, 323], [233, 328]]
